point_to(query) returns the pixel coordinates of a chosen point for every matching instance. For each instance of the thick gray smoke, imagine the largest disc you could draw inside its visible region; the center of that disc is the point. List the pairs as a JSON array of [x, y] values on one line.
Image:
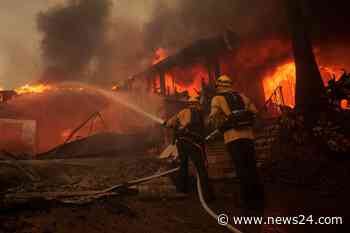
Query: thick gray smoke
[[191, 20], [141, 27], [101, 42], [92, 40], [72, 36]]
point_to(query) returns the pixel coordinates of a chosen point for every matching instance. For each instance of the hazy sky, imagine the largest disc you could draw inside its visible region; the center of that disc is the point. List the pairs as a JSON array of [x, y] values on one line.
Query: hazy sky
[[20, 40]]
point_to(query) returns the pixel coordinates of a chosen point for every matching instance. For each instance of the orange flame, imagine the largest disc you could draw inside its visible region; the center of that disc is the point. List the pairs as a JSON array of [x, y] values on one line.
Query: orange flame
[[115, 87], [38, 88], [65, 134], [344, 104], [160, 55], [184, 79], [284, 76]]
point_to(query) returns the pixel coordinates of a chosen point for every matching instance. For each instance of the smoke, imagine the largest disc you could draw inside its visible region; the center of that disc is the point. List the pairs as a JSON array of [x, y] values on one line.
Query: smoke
[[101, 42], [106, 40], [72, 35], [139, 28], [176, 27]]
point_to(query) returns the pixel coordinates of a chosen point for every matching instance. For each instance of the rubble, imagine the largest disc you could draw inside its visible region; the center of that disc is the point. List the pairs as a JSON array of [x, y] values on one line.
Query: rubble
[[338, 90], [62, 178]]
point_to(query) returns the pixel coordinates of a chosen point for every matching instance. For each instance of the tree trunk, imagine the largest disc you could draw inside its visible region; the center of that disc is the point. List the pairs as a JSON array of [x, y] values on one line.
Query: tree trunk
[[309, 84]]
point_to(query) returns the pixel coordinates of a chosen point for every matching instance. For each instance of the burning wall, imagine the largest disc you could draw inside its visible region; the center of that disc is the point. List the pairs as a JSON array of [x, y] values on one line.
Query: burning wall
[[258, 70], [284, 76], [263, 60]]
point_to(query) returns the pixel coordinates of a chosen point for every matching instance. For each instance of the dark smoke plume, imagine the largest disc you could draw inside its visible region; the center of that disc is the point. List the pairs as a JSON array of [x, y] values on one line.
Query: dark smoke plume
[[72, 35], [82, 32], [196, 19]]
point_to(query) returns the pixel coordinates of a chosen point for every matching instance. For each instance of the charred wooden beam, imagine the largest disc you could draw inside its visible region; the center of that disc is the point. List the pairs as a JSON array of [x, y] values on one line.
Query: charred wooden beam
[[162, 82], [199, 51], [214, 70]]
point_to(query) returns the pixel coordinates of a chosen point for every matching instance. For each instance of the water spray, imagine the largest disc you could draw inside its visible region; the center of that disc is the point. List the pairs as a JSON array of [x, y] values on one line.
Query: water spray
[[118, 99], [131, 106]]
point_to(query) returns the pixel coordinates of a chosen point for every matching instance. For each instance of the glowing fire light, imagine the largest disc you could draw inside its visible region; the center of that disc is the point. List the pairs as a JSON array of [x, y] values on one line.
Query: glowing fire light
[[115, 88], [66, 133], [284, 76], [344, 104], [160, 55], [38, 88], [188, 79]]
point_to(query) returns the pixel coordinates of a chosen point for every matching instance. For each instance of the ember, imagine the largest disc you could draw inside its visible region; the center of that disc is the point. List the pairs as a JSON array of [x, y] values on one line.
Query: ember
[[344, 104]]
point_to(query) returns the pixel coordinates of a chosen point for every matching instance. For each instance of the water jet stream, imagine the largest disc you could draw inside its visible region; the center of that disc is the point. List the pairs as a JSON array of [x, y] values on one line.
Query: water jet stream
[[129, 105], [117, 99]]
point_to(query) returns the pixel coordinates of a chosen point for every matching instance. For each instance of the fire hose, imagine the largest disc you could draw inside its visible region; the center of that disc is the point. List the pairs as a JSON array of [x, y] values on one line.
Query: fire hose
[[199, 188], [210, 211], [139, 181], [201, 198]]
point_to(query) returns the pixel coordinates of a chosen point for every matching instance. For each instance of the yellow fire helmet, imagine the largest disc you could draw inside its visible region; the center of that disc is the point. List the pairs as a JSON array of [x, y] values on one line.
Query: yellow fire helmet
[[224, 81]]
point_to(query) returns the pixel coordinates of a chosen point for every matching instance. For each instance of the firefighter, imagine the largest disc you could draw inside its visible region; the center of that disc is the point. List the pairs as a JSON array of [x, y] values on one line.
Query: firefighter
[[233, 114], [189, 135]]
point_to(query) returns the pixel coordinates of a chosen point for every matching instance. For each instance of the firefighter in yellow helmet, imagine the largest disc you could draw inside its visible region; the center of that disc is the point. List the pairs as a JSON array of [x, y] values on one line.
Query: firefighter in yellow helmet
[[189, 128], [233, 113]]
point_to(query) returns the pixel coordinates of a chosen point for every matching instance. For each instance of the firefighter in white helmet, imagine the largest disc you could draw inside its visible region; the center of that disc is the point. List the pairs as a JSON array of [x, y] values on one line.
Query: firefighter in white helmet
[[189, 128], [233, 113]]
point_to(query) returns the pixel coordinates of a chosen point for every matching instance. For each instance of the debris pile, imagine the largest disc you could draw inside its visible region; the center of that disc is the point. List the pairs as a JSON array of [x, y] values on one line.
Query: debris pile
[[339, 90], [24, 181]]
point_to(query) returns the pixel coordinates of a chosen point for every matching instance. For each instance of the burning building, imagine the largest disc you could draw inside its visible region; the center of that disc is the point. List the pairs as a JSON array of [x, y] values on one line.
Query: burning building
[[196, 67]]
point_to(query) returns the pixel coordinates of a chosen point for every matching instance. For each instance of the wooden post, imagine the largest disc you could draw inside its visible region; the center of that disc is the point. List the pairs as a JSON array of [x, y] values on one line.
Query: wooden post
[[162, 83], [217, 69], [214, 71]]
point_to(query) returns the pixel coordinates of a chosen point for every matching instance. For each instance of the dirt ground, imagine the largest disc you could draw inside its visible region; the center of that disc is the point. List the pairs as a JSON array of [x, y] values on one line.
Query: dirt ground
[[137, 214]]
